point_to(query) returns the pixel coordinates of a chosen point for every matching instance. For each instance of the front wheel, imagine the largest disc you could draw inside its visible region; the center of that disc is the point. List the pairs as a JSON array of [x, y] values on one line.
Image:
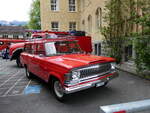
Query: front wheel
[[58, 90]]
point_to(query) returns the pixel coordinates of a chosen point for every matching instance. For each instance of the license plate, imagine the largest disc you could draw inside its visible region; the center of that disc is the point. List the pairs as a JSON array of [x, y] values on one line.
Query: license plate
[[100, 84]]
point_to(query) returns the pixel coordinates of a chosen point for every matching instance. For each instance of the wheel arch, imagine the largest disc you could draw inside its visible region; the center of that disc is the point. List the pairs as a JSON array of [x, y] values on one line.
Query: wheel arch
[[16, 53], [54, 76]]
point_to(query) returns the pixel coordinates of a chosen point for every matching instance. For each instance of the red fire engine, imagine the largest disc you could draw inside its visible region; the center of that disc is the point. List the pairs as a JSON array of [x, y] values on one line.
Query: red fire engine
[[83, 41]]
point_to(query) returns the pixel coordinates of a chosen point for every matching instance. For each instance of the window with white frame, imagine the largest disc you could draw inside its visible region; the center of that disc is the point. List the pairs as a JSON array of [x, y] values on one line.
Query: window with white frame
[[54, 26], [72, 26], [54, 5], [72, 5]]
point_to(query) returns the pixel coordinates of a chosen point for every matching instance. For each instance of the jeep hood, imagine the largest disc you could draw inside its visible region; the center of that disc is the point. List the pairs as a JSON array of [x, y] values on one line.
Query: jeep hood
[[76, 60]]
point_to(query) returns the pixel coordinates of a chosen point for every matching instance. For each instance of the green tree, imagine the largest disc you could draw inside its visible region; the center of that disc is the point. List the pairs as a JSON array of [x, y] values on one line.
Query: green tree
[[35, 20], [128, 23]]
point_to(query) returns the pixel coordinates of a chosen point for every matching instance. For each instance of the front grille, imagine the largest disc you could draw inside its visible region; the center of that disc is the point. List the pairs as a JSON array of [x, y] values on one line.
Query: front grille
[[104, 67]]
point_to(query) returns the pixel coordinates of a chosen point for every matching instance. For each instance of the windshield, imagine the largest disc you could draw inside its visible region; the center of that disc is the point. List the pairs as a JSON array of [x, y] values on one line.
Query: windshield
[[50, 36], [62, 47]]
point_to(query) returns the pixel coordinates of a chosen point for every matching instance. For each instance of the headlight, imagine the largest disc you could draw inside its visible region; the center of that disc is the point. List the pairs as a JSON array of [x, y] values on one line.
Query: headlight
[[113, 65], [75, 75]]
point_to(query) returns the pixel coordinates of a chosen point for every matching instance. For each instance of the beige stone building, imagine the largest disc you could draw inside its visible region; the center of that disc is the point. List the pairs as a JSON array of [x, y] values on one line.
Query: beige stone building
[[66, 15]]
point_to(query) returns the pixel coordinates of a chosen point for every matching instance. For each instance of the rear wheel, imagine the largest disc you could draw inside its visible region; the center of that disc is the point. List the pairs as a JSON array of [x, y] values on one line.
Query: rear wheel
[[28, 74], [58, 90]]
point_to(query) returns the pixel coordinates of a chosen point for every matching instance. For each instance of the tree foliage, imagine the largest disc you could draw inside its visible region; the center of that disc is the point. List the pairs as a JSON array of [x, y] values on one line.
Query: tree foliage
[[128, 21], [35, 21]]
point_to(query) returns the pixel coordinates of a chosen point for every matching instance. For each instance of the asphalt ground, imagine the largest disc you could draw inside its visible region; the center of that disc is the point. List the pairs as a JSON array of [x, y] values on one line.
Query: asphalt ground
[[21, 95]]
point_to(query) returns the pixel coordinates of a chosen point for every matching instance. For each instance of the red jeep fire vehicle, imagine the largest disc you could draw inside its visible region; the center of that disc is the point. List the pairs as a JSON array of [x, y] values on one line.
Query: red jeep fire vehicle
[[16, 49], [66, 67]]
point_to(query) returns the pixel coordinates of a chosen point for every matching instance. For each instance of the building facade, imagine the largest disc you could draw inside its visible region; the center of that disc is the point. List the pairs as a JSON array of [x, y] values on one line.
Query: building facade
[[67, 15]]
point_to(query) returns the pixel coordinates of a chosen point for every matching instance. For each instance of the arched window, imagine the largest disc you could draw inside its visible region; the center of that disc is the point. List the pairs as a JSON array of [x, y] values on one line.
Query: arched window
[[89, 23], [98, 18]]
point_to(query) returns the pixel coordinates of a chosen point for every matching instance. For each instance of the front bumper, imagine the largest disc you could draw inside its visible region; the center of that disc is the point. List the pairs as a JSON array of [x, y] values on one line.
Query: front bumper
[[91, 82]]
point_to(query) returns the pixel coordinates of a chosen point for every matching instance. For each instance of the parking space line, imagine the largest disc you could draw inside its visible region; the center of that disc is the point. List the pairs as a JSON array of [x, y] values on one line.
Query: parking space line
[[12, 86], [8, 87], [12, 95], [27, 84], [9, 79], [4, 68]]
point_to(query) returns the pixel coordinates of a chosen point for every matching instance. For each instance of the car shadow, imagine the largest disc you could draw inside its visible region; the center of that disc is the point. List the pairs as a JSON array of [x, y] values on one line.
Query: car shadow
[[90, 95]]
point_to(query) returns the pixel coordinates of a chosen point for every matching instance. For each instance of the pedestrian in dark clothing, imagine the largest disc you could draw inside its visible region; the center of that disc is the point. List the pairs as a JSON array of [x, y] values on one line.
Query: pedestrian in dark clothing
[[7, 53]]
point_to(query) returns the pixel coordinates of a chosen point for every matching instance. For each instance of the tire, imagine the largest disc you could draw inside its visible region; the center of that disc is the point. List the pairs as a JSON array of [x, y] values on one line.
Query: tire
[[58, 90], [28, 74], [18, 62]]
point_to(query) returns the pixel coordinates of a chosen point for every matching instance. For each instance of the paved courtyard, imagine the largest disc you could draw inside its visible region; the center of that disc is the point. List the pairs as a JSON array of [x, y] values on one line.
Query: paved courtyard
[[21, 95]]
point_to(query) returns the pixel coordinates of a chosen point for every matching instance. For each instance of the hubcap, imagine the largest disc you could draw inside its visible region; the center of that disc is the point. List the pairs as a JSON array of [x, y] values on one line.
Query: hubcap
[[58, 89]]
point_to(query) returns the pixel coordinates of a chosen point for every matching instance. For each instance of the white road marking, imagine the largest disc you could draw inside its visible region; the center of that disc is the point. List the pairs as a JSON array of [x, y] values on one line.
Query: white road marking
[[9, 79], [9, 87], [12, 95], [12, 86], [26, 86]]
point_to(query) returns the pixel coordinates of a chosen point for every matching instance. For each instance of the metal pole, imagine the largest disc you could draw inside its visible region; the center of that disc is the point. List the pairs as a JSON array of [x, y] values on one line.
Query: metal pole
[[130, 107]]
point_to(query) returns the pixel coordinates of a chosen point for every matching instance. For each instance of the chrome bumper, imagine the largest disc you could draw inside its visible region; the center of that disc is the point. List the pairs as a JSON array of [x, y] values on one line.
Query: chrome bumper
[[91, 82]]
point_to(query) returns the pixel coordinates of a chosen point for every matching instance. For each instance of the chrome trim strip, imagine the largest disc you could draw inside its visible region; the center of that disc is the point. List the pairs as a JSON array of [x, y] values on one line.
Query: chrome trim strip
[[89, 78]]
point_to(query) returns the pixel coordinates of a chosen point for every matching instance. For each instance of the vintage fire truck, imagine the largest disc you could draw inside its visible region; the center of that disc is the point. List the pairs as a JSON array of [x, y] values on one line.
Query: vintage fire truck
[[65, 66], [84, 42]]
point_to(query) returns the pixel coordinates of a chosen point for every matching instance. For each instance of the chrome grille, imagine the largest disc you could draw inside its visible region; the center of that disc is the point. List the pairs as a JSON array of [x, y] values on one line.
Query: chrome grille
[[105, 67]]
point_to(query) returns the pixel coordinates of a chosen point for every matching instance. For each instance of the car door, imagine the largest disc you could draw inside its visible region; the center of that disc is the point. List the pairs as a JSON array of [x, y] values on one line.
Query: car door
[[28, 56], [24, 56], [39, 63], [33, 63]]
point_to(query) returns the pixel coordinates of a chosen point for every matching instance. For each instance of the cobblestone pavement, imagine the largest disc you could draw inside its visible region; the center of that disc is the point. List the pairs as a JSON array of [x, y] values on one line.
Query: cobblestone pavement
[[38, 98]]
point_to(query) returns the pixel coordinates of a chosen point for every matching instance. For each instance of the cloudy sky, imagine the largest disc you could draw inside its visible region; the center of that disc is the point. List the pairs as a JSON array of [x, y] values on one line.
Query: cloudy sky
[[15, 10]]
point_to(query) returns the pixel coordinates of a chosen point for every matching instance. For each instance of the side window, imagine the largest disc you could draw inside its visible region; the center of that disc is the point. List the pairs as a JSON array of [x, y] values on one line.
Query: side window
[[29, 48], [40, 49]]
